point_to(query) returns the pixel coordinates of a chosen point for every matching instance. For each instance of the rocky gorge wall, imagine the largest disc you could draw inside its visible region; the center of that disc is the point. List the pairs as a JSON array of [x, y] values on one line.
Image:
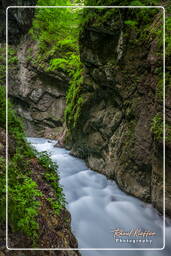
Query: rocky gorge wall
[[119, 129], [38, 96], [116, 118]]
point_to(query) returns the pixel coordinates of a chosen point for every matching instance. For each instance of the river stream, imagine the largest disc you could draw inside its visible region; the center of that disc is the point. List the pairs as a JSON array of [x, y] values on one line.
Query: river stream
[[98, 206]]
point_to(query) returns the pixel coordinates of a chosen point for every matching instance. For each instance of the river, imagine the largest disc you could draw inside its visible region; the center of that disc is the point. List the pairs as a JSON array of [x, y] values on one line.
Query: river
[[98, 206]]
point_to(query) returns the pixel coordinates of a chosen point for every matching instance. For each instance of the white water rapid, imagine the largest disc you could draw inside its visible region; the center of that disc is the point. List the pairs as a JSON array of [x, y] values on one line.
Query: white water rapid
[[98, 206]]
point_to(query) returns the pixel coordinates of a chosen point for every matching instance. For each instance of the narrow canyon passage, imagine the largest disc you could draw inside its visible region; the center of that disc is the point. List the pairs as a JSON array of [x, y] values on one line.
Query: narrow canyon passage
[[98, 206]]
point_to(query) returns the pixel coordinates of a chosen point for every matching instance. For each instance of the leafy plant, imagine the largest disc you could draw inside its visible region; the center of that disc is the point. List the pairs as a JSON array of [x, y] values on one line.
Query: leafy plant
[[23, 206], [52, 177]]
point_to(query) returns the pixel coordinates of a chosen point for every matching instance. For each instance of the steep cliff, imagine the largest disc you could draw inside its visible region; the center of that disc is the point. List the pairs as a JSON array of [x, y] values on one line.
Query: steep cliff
[[118, 128]]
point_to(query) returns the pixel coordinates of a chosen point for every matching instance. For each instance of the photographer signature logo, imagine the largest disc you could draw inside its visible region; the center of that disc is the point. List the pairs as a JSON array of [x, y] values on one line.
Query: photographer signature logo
[[133, 236]]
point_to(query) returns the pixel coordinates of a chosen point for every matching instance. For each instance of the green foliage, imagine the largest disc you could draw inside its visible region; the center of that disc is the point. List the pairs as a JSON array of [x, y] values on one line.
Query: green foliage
[[56, 30], [2, 107], [15, 126], [24, 204], [168, 36], [144, 2], [131, 23], [2, 188], [136, 3], [59, 63], [51, 176], [118, 3], [159, 90], [168, 132], [23, 208], [157, 126], [68, 64], [22, 190], [2, 66], [56, 205], [12, 56], [13, 60], [24, 195], [46, 162], [74, 100], [2, 74]]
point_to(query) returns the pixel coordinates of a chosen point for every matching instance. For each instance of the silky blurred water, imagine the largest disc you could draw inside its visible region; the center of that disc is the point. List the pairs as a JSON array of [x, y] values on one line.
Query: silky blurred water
[[98, 206]]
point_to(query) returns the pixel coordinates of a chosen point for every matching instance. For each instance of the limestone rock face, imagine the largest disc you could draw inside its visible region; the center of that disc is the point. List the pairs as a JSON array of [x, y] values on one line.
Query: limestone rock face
[[38, 97], [114, 131]]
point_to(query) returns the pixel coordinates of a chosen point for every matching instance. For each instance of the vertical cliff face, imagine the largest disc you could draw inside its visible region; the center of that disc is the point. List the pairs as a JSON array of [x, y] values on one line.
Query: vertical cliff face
[[121, 108], [38, 96]]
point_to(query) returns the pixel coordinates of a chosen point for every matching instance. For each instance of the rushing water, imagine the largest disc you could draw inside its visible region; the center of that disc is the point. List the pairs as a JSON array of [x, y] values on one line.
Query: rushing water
[[98, 206]]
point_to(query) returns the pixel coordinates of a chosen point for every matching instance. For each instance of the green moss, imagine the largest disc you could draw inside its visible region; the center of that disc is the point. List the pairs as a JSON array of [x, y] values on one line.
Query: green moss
[[159, 90], [77, 114], [2, 74], [12, 56], [74, 99], [157, 126]]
